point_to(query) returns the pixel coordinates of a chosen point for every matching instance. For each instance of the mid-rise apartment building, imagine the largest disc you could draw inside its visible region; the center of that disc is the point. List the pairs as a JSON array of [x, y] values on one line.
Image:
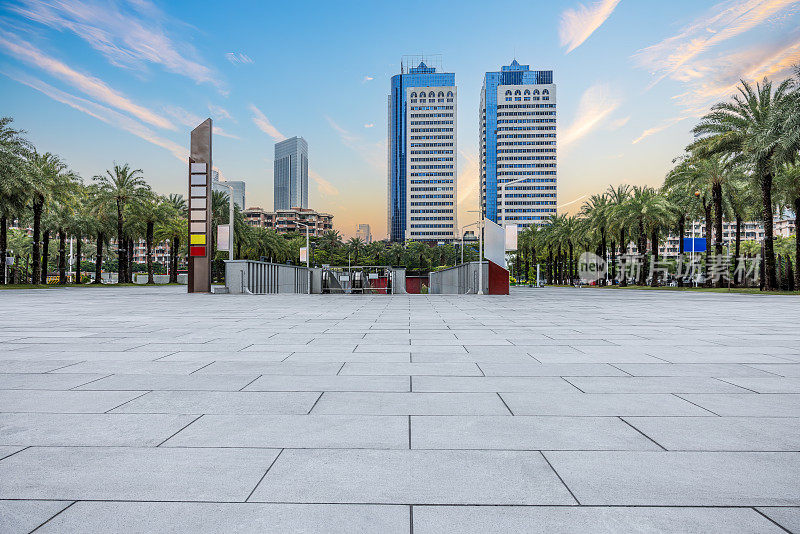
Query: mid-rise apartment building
[[518, 145], [286, 220]]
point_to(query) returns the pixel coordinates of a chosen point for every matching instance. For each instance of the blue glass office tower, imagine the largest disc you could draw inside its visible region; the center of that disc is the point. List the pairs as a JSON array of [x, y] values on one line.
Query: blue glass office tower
[[422, 155], [518, 145], [291, 174]]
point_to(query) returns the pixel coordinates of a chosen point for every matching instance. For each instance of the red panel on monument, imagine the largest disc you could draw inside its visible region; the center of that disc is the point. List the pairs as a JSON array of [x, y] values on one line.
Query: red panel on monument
[[498, 280], [197, 251]]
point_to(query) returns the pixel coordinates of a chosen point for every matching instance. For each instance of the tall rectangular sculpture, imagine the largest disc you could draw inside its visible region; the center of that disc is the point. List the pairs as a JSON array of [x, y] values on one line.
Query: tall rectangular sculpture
[[200, 209]]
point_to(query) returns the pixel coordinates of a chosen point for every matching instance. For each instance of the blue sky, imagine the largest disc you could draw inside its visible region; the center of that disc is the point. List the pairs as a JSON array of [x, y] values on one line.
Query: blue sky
[[104, 81]]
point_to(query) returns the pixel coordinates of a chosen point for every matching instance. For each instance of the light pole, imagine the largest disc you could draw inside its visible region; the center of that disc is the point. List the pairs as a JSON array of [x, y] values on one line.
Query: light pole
[[480, 249], [308, 255]]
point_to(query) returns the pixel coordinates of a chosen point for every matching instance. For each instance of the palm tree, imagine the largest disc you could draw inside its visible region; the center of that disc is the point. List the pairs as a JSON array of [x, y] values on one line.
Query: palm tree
[[15, 181], [49, 176], [756, 128], [122, 185], [616, 198], [596, 211], [355, 245], [101, 209], [330, 240], [148, 210], [645, 211], [788, 186]]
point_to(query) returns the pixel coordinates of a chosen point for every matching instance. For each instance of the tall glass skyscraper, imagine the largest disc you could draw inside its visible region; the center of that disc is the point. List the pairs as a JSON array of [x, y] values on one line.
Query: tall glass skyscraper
[[291, 174], [422, 155], [518, 145]]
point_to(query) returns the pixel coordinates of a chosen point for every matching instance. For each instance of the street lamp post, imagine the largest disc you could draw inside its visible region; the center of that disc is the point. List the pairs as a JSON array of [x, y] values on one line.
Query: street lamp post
[[308, 255], [480, 249]]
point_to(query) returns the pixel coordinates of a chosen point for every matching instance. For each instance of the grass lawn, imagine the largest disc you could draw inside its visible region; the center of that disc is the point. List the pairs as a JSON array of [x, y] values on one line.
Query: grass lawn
[[58, 286]]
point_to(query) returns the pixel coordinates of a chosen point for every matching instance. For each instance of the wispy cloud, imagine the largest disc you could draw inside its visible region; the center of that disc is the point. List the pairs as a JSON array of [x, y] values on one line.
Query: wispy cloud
[[103, 113], [468, 177], [91, 86], [367, 79], [369, 125], [571, 202], [130, 34], [323, 186], [189, 119], [659, 128], [220, 113], [579, 23], [596, 105], [261, 120], [616, 124], [372, 153], [238, 58], [674, 56]]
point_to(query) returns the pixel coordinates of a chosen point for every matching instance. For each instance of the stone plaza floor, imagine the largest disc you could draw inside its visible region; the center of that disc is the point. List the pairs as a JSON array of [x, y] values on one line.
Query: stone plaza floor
[[550, 410]]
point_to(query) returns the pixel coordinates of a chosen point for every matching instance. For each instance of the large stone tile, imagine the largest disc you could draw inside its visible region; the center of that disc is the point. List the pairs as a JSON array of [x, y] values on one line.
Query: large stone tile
[[652, 384], [89, 429], [295, 431], [224, 356], [213, 518], [45, 381], [748, 404], [341, 357], [550, 369], [63, 401], [480, 357], [377, 403], [768, 384], [721, 433], [788, 518], [34, 366], [721, 370], [431, 477], [525, 433], [680, 478], [447, 369], [106, 367], [8, 450], [601, 404], [22, 517], [330, 383], [183, 382], [129, 473], [273, 368], [549, 384], [222, 402], [595, 520], [782, 369]]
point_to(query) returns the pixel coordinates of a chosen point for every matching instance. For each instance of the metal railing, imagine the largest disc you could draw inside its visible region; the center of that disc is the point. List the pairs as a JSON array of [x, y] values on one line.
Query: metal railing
[[260, 277], [459, 280]]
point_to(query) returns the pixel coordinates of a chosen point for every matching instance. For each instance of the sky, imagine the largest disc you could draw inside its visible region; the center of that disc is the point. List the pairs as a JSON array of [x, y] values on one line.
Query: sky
[[104, 81]]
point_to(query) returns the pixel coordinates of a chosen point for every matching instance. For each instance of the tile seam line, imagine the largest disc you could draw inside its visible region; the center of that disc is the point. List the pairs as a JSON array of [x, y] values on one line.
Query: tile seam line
[[768, 518], [642, 433], [546, 459], [180, 430], [260, 480], [53, 517]]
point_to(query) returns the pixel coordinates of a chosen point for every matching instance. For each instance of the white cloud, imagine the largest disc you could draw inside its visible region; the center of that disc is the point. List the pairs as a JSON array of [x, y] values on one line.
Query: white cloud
[[238, 58], [674, 56], [372, 153], [129, 34], [323, 186], [220, 113], [261, 120], [579, 23], [597, 103], [369, 125], [659, 128], [616, 124], [107, 115], [91, 86], [189, 119], [367, 79], [572, 201]]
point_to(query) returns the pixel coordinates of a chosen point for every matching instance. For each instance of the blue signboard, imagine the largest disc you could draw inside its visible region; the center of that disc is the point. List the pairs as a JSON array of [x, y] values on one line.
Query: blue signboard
[[699, 244]]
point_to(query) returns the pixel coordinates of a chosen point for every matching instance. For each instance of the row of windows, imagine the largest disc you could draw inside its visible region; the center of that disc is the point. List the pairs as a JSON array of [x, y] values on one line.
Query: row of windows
[[434, 188], [431, 204], [432, 234], [431, 218], [525, 143], [526, 150], [433, 196], [534, 180], [431, 226], [527, 92], [525, 106], [524, 136], [430, 115], [431, 181], [430, 108], [424, 130], [431, 173], [431, 151], [432, 167], [432, 211], [530, 195], [431, 100], [510, 210], [527, 113], [527, 158], [526, 98], [529, 173], [433, 159], [431, 94], [525, 121], [417, 123], [525, 165], [422, 137]]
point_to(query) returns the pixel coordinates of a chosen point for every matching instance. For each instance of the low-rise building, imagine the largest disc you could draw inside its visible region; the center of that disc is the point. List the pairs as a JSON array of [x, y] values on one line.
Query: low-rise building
[[286, 221]]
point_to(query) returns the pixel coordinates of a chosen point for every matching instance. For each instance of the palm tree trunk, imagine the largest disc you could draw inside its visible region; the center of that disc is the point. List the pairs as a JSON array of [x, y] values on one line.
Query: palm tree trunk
[[738, 245], [550, 265], [78, 257], [641, 247], [796, 243], [623, 248], [716, 193], [121, 255], [770, 282], [709, 231], [149, 244], [3, 245], [45, 255], [654, 252], [37, 233], [613, 262], [98, 262], [681, 233], [603, 252], [129, 254], [62, 256], [173, 276], [571, 265]]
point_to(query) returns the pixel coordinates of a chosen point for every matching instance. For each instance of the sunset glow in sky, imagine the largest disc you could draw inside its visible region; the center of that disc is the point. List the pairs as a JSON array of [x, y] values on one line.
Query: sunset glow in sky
[[104, 81]]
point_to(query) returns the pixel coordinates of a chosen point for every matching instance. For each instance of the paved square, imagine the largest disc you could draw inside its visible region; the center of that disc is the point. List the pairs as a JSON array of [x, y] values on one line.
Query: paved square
[[549, 410]]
